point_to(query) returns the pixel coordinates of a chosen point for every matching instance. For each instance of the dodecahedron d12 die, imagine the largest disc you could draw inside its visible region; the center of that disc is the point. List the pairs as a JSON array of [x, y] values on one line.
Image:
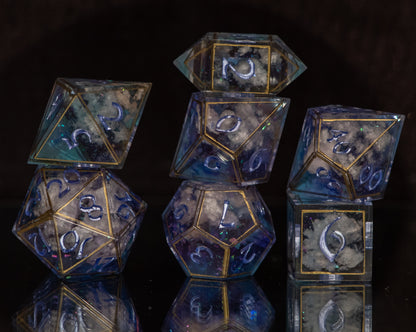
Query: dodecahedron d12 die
[[230, 138], [240, 63], [218, 231], [79, 221], [345, 152], [329, 240], [101, 305], [89, 123], [329, 307], [208, 305]]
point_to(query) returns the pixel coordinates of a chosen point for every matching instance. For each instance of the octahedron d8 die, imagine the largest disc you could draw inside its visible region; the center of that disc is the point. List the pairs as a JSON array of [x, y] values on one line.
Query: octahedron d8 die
[[89, 123], [79, 221], [97, 305], [230, 138], [218, 231], [345, 152], [329, 240], [329, 307], [233, 62], [209, 305]]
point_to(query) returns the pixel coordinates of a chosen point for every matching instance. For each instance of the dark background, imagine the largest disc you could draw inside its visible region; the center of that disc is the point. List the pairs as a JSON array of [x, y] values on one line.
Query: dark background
[[359, 53]]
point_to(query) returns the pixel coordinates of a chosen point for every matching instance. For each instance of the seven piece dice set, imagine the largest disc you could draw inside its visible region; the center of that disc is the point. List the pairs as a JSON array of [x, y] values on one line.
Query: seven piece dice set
[[81, 220]]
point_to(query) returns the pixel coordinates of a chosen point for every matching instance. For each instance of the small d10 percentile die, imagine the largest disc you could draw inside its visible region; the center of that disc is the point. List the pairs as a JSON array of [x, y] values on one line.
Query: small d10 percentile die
[[230, 138], [329, 240], [218, 231], [345, 152], [79, 222], [89, 123], [246, 63]]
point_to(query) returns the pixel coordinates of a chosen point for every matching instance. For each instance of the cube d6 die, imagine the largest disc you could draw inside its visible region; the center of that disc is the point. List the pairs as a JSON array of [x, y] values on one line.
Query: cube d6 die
[[329, 240]]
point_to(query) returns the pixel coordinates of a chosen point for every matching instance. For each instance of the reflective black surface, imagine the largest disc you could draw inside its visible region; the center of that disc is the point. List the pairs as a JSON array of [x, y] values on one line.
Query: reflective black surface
[[357, 53]]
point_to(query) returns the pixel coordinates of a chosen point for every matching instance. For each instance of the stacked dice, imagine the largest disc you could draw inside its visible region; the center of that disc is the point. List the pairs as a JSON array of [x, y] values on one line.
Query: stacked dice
[[217, 224], [78, 218], [342, 163]]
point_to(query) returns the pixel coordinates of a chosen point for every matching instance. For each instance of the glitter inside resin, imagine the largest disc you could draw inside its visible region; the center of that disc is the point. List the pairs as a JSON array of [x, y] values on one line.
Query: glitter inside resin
[[345, 152], [79, 222], [218, 231]]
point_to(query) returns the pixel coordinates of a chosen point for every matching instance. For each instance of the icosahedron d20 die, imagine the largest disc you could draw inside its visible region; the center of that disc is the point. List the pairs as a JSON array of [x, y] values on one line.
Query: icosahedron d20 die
[[244, 63], [230, 138], [210, 305], [345, 152], [218, 231], [101, 304], [79, 221], [89, 123]]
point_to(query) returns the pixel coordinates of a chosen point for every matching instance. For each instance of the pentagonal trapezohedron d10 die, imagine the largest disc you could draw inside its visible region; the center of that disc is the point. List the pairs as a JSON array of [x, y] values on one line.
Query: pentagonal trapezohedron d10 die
[[233, 62], [230, 138], [329, 240], [89, 123], [96, 305], [79, 221], [209, 305], [218, 231], [345, 152]]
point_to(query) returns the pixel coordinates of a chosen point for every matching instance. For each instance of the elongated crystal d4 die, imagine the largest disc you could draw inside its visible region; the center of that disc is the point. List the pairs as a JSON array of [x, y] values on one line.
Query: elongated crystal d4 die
[[97, 305], [232, 62], [89, 123], [79, 222], [329, 307], [209, 305], [218, 231], [230, 138], [329, 240], [345, 152]]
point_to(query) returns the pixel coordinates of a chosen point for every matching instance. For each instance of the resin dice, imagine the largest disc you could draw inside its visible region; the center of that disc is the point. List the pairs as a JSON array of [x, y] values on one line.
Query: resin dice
[[79, 221], [345, 152], [240, 63], [206, 305], [89, 123], [329, 307], [329, 240], [101, 305], [230, 138], [218, 231]]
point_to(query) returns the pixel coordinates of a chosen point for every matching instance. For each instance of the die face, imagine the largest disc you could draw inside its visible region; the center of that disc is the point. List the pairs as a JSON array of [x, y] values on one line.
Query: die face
[[245, 63], [95, 305], [329, 240], [346, 152], [89, 123], [89, 228], [218, 231], [329, 307], [230, 138], [203, 305]]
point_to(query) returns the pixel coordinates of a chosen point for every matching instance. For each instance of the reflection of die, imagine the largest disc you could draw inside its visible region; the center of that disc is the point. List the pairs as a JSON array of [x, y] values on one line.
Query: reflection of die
[[230, 138], [100, 305], [329, 240], [345, 152], [329, 307], [79, 221], [207, 305], [218, 231], [89, 123], [240, 63]]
